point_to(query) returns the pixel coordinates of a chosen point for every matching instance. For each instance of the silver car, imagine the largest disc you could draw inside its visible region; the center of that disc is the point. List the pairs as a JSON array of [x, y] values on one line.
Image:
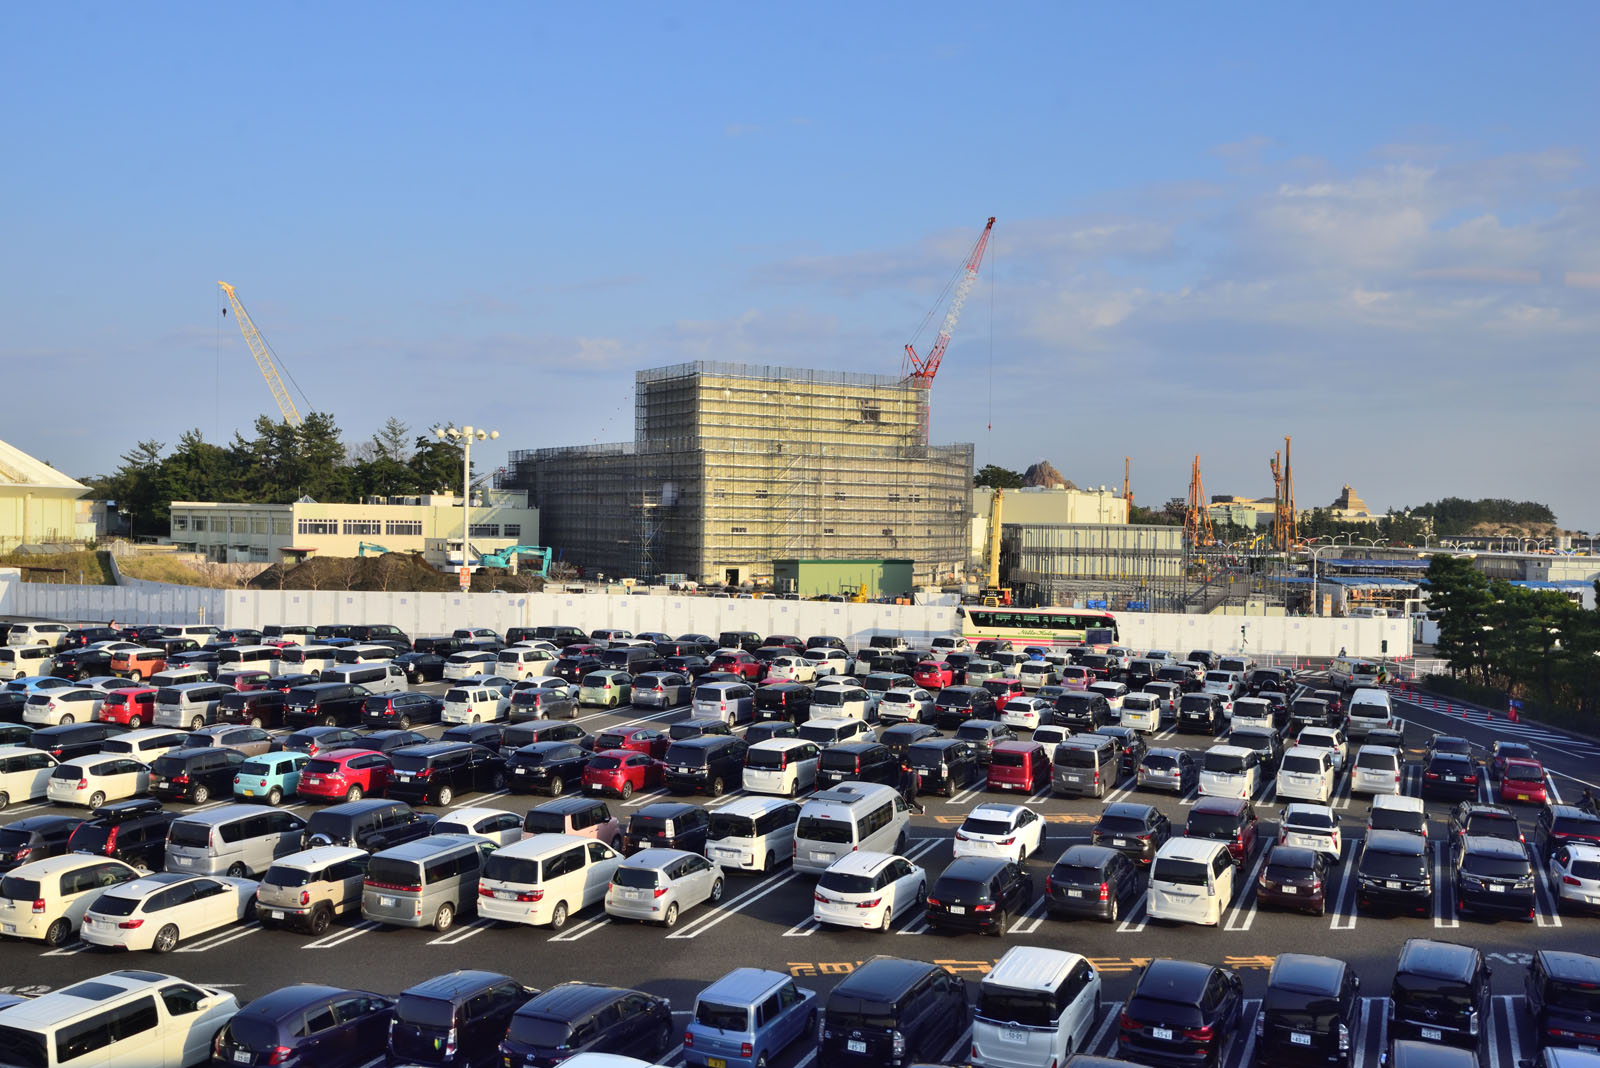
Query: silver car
[[656, 885]]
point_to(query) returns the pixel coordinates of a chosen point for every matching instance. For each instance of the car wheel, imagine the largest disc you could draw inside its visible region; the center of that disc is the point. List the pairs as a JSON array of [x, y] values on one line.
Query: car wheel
[[671, 917], [794, 788], [888, 918], [255, 721], [202, 794], [900, 843], [716, 891], [446, 795], [558, 917], [321, 919], [627, 790], [557, 784], [275, 797], [664, 1038], [96, 799], [716, 787], [477, 719], [135, 722], [353, 794], [5, 799], [166, 940], [238, 871], [922, 895], [405, 723], [768, 863], [999, 927], [58, 933], [444, 917], [68, 718], [1116, 910], [136, 676], [327, 721]]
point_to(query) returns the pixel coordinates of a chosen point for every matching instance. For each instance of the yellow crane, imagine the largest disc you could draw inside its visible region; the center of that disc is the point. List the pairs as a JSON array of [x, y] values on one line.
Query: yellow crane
[[993, 594], [263, 355]]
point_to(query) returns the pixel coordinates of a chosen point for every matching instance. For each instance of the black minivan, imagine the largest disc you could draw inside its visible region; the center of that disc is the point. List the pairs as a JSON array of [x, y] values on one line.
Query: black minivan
[[784, 700], [454, 1019], [578, 1018], [893, 1012], [705, 764], [332, 704], [436, 773], [857, 762], [1308, 1015], [35, 838], [944, 765], [1441, 993], [195, 775], [1564, 997], [134, 832], [1091, 880], [668, 825], [957, 704]]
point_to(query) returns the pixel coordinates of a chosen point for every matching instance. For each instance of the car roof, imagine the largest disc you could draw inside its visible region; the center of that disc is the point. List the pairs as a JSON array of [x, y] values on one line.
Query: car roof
[[1498, 847], [1086, 856], [667, 809], [1442, 960], [1294, 856], [1233, 806], [1306, 973], [882, 978], [861, 862], [1403, 842], [756, 806], [56, 864], [319, 857], [998, 808], [1032, 968], [537, 845], [1189, 848], [1124, 808], [744, 986], [291, 999], [457, 984], [1566, 965], [656, 859], [571, 1000]]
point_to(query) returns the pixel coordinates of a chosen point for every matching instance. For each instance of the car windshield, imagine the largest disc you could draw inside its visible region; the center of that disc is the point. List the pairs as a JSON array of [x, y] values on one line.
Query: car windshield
[[1116, 823], [1160, 761], [1376, 865], [1582, 997], [536, 822], [726, 826], [605, 763], [812, 829], [765, 758], [722, 1017], [1305, 765], [1496, 867], [925, 756], [1195, 702], [1071, 756], [1308, 820], [1381, 761], [115, 905], [1226, 763], [283, 875], [1210, 824], [1393, 819], [1183, 872], [1008, 758]]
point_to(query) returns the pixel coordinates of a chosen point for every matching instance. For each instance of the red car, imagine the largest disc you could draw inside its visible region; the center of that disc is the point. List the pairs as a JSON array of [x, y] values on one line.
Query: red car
[[1230, 820], [739, 663], [619, 772], [133, 707], [344, 775], [1523, 780], [1003, 690], [652, 743], [245, 681], [934, 675]]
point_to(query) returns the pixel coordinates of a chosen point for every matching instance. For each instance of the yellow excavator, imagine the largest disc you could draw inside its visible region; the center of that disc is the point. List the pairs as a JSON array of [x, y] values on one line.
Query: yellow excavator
[[993, 594]]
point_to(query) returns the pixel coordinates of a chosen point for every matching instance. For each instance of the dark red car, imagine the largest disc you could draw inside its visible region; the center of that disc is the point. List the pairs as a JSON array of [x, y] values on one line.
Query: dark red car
[[344, 775], [934, 675], [739, 663], [651, 743], [1003, 690], [132, 707], [245, 681], [1230, 820], [620, 772]]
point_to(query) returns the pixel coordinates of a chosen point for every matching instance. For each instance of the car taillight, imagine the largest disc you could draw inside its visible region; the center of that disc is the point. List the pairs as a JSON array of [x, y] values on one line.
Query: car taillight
[[1198, 1034], [1431, 774], [1127, 1023], [746, 1050], [935, 902], [1105, 891], [83, 784], [38, 905], [1471, 779], [659, 891], [131, 925], [984, 907], [450, 1043], [111, 840], [688, 1040], [1570, 881]]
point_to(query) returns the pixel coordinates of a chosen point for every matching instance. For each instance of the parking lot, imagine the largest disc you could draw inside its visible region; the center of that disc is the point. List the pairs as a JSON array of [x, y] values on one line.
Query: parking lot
[[766, 921]]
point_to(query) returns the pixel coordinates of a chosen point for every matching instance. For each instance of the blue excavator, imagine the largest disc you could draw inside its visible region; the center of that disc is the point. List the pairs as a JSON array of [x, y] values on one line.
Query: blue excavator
[[511, 559]]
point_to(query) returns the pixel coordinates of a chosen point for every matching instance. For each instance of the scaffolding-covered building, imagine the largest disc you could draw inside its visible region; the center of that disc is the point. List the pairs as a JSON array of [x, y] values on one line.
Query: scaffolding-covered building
[[734, 466]]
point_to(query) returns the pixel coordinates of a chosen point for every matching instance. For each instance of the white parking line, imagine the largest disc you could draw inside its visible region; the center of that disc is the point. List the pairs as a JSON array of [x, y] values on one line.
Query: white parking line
[[338, 938], [1346, 907], [1243, 913], [462, 933], [1247, 1026], [646, 798], [806, 927], [478, 799], [731, 795], [1514, 1040], [1033, 914], [68, 950], [1545, 894], [582, 930], [1358, 1048], [223, 939], [1113, 1011], [960, 1044], [1138, 918], [961, 798], [724, 909]]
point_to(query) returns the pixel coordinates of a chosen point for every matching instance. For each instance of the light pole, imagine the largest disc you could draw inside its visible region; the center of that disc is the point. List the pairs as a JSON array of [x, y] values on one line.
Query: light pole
[[463, 436], [1316, 603]]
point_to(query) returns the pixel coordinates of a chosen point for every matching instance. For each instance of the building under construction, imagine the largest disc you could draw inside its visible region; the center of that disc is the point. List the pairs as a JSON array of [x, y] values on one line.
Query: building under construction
[[733, 466]]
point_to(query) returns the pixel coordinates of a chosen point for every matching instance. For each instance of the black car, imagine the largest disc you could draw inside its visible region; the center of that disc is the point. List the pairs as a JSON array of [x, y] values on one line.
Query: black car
[[381, 634], [134, 832], [1204, 657], [1272, 678], [1090, 880], [1134, 830], [1130, 743], [790, 701], [706, 764], [1394, 872], [773, 728], [205, 659], [944, 765], [372, 824], [488, 735], [957, 704], [11, 705], [1181, 1012], [1385, 737], [1200, 713], [891, 1011], [902, 736], [979, 894], [1560, 825], [542, 703], [1309, 712], [578, 1018], [78, 637], [1493, 821], [1441, 993], [440, 647], [35, 838], [401, 710], [668, 825], [436, 773], [421, 667], [549, 767], [1563, 990], [1310, 1011], [1082, 710], [854, 762], [1449, 775], [691, 664], [332, 704], [534, 731], [1408, 1053], [685, 729], [387, 741], [81, 664], [306, 1026], [455, 1019], [1181, 677], [15, 734], [1493, 876], [314, 740], [68, 741], [195, 775], [1266, 744], [258, 708], [748, 640]]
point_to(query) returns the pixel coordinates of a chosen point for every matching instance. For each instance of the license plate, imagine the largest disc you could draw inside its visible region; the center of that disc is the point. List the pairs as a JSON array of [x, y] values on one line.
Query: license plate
[[1014, 1036], [242, 1056], [595, 787], [1449, 778], [855, 1046], [1074, 893], [1496, 888], [1296, 1038], [958, 910], [1522, 797], [633, 894], [1163, 1033], [1432, 1034], [716, 1062], [386, 902], [504, 895], [1392, 884], [276, 914], [183, 862], [1291, 889], [8, 928], [1119, 841], [522, 771], [313, 780], [819, 856]]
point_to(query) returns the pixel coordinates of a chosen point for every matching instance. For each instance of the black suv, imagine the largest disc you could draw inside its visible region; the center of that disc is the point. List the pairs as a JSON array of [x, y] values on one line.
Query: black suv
[[134, 832], [1200, 713], [1181, 1012], [1309, 1013], [706, 764], [1134, 830], [400, 710], [978, 894], [892, 1011], [454, 1019], [488, 735], [685, 729], [371, 824], [983, 734], [668, 825], [1560, 825], [381, 634], [534, 731], [69, 741], [1471, 818], [856, 762], [1082, 711], [902, 736], [944, 765], [35, 838], [1564, 997], [1090, 880], [194, 775], [1395, 871], [258, 708], [332, 704], [435, 773], [588, 1018], [1441, 993], [1130, 743], [421, 667], [1494, 876], [550, 767], [1449, 775], [81, 664], [542, 703], [957, 704]]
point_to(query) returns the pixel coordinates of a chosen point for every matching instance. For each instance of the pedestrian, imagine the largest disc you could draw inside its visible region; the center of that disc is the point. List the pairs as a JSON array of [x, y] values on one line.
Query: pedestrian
[[1586, 802], [908, 788]]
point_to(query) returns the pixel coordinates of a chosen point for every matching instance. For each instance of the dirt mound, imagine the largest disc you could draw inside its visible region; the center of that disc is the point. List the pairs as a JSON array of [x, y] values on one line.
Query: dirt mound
[[391, 571]]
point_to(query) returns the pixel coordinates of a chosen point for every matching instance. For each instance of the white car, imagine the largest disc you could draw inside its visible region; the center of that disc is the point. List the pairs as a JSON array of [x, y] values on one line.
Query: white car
[[91, 781], [655, 885], [1230, 771], [792, 668], [106, 683], [1253, 712], [1329, 738], [491, 824], [474, 704], [547, 682], [1051, 736], [64, 704], [905, 704], [157, 911], [467, 663], [1311, 827], [842, 702], [829, 661], [1024, 712], [1305, 773], [868, 890], [1012, 831], [1227, 683], [1113, 692], [24, 774], [58, 891], [1575, 873]]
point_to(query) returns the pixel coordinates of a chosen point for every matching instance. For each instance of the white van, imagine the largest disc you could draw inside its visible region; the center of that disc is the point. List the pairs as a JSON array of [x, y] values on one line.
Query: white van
[[1114, 692], [1035, 1006], [826, 732], [1142, 712], [20, 661], [1378, 769], [310, 659], [1230, 771], [1252, 712], [783, 766], [1036, 673], [200, 632], [843, 702], [379, 677], [469, 662], [123, 1019], [849, 817], [474, 704], [1306, 774], [1191, 881], [752, 834], [545, 878], [46, 900], [1368, 709], [363, 654], [24, 774], [46, 634], [249, 657], [1239, 665], [522, 662]]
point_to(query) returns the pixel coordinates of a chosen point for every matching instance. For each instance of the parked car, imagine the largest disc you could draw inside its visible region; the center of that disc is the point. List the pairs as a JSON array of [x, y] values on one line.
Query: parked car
[[439, 772], [979, 894], [134, 832], [458, 1019], [1310, 1012], [549, 767], [892, 1010], [1229, 820], [168, 906], [1091, 880], [35, 838], [306, 1026], [1293, 877], [1136, 830], [657, 885], [747, 1017], [1440, 994], [1169, 769], [868, 890], [370, 824], [1181, 1012], [269, 778]]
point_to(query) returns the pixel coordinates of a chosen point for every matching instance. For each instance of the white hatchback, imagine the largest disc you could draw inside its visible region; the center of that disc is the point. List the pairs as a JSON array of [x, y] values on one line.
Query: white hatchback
[[792, 668], [93, 780], [868, 890], [1026, 712], [1330, 738], [1575, 873], [1230, 771], [474, 704], [1311, 827], [1012, 831]]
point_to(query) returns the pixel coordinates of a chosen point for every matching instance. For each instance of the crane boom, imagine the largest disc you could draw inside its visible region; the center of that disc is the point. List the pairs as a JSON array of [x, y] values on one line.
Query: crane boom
[[263, 355], [923, 370]]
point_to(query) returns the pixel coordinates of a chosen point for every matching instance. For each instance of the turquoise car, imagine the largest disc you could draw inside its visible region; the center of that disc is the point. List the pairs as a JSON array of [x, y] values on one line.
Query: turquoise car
[[269, 777]]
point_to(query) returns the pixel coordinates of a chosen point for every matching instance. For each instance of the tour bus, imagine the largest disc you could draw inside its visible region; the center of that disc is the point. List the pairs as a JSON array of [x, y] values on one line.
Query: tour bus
[[1047, 627]]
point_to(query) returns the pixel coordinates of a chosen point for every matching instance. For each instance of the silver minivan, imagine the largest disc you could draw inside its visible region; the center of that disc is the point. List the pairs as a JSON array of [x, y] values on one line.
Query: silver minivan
[[1378, 769], [731, 702], [192, 705], [1035, 1007], [849, 817], [425, 883], [240, 841], [380, 677]]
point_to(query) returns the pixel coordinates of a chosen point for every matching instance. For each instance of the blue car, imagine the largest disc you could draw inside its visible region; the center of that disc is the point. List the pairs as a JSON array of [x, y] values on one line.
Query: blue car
[[35, 683], [307, 1026], [748, 1017], [269, 777]]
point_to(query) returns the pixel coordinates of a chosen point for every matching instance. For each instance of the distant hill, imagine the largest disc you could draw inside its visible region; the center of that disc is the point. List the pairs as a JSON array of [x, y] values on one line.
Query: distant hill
[[1491, 515], [1045, 474]]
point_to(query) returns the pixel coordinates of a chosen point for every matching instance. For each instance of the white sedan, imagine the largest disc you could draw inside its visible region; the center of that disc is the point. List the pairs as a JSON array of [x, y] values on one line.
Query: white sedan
[[1012, 831], [93, 780], [491, 824], [157, 911], [1026, 712]]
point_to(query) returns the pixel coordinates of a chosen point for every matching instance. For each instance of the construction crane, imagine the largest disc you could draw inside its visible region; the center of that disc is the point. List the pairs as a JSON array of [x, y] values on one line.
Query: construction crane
[[993, 594], [1285, 524], [918, 370], [263, 355], [1197, 517]]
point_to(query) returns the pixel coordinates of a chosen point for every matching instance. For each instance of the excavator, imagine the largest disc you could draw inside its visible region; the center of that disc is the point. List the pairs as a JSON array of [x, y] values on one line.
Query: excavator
[[509, 558]]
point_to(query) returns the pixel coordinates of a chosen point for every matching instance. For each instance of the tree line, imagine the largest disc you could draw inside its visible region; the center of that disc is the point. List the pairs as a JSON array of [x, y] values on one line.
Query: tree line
[[279, 465]]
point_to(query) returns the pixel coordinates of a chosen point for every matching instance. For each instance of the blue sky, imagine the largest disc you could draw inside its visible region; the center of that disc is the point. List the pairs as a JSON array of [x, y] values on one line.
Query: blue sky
[[1376, 228]]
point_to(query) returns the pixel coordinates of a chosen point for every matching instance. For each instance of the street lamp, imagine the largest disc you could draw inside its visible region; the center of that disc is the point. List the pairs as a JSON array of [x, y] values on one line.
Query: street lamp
[[463, 436], [1316, 604]]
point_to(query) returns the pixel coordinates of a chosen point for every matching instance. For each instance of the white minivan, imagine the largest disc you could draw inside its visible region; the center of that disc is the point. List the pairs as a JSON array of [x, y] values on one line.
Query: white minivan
[[849, 817], [1368, 709], [1230, 771], [752, 834], [1035, 1006], [46, 634], [45, 900], [523, 662], [1191, 881], [543, 879], [1142, 712], [20, 661], [24, 774], [1378, 769], [1306, 774], [474, 704], [783, 766]]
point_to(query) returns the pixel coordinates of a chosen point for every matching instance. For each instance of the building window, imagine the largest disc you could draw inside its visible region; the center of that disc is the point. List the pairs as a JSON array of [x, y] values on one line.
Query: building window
[[280, 524], [827, 530], [888, 532], [511, 530], [258, 524], [199, 522], [403, 528], [319, 526], [871, 413], [180, 522], [484, 530], [362, 527]]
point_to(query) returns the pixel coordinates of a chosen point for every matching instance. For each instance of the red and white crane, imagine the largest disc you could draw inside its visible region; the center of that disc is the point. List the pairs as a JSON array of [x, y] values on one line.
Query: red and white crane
[[918, 370]]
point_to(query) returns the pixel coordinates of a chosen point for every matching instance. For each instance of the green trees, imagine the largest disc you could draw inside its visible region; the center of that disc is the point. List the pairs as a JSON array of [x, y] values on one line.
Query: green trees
[[994, 476]]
